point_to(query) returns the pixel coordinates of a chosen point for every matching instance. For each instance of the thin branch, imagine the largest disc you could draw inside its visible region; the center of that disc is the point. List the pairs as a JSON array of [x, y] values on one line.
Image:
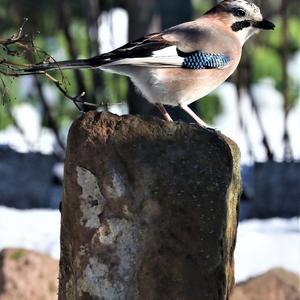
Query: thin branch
[[10, 68], [75, 99]]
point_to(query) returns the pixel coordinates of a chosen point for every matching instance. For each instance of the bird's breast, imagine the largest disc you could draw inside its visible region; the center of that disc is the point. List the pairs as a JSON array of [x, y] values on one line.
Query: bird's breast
[[178, 85]]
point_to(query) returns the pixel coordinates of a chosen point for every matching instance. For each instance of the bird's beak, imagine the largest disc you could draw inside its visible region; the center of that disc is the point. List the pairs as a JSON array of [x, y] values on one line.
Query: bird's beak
[[264, 24]]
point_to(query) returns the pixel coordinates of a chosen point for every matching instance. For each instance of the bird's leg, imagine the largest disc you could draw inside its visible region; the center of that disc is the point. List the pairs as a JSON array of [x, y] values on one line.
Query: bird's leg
[[193, 115], [164, 112]]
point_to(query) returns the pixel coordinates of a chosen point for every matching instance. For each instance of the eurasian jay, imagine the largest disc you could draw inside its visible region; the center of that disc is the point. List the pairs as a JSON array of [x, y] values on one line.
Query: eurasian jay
[[183, 63]]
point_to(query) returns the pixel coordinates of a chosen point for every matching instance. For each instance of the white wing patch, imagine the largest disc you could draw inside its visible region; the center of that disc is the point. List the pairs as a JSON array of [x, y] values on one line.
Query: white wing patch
[[164, 58], [168, 52]]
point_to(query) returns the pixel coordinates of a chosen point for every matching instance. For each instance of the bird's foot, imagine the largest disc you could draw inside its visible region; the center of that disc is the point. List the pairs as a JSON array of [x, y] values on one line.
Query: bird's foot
[[164, 112]]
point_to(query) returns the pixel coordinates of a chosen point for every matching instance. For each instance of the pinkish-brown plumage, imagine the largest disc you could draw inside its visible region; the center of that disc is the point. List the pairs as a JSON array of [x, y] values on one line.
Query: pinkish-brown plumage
[[164, 66]]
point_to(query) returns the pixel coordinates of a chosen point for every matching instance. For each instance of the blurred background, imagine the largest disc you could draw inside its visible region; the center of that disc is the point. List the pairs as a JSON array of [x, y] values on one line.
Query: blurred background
[[258, 107]]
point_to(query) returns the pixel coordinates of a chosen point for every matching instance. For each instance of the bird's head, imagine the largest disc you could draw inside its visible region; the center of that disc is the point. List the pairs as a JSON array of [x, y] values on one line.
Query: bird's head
[[242, 17]]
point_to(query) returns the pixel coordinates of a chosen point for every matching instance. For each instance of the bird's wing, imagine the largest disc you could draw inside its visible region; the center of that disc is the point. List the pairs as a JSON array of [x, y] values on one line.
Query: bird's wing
[[141, 47], [164, 50], [183, 46], [149, 51]]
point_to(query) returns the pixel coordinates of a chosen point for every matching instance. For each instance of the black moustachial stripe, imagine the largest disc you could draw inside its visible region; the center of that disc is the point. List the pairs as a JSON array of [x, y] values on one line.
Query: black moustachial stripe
[[202, 60], [237, 26]]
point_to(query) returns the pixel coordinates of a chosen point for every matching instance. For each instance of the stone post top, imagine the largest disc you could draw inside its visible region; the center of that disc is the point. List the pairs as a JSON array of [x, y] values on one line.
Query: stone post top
[[93, 121], [149, 210]]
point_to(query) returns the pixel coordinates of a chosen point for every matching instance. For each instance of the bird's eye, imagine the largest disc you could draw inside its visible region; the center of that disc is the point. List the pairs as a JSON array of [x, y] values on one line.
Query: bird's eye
[[239, 12]]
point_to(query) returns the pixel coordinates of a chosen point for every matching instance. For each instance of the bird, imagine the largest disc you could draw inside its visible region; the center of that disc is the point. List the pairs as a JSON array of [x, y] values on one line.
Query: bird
[[183, 63]]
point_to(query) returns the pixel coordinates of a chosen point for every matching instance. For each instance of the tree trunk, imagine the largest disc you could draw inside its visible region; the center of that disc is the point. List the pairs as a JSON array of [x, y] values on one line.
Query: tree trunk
[[149, 210], [65, 17], [92, 12], [141, 22]]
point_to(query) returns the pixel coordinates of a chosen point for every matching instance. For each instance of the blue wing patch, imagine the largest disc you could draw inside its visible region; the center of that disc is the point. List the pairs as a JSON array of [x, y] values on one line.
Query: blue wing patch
[[202, 60]]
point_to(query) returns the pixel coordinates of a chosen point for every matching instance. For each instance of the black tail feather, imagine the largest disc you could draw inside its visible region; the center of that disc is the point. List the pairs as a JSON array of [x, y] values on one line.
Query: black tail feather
[[89, 63]]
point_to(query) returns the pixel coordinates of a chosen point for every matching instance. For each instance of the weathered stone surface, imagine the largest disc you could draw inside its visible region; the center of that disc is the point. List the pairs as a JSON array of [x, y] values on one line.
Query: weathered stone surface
[[27, 275], [277, 284], [149, 210]]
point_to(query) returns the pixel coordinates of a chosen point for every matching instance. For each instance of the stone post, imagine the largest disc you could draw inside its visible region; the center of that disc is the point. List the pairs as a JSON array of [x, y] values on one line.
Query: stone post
[[149, 210]]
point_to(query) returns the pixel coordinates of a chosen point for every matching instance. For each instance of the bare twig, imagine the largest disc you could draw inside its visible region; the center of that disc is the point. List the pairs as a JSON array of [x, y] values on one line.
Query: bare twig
[[9, 68]]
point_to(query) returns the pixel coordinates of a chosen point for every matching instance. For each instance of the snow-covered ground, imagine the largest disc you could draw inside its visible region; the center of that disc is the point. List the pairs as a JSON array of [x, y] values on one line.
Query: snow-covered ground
[[265, 244], [261, 245], [36, 229]]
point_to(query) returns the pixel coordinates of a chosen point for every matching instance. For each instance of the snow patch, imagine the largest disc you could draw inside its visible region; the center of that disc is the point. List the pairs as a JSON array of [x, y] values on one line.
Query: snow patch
[[36, 229], [266, 244], [261, 244]]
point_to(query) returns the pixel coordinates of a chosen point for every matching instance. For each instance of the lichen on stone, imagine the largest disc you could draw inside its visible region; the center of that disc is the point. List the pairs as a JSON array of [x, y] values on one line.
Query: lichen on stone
[[121, 235], [93, 204], [117, 188], [95, 281]]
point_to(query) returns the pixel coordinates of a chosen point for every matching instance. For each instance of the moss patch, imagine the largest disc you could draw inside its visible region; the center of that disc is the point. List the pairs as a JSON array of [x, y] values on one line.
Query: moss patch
[[17, 255]]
